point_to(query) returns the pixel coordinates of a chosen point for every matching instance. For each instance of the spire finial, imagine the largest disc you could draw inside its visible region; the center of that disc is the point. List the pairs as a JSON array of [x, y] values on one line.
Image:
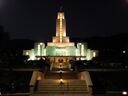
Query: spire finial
[[61, 8]]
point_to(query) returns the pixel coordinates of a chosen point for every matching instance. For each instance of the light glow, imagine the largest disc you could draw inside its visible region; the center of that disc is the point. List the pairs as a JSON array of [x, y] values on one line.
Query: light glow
[[124, 51], [61, 52], [94, 54], [61, 26], [82, 50], [38, 49], [27, 53], [124, 93], [61, 80], [41, 43], [39, 78]]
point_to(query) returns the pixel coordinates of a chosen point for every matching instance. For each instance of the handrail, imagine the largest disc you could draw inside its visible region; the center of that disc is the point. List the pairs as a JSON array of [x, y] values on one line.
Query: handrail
[[33, 81], [63, 85], [16, 94]]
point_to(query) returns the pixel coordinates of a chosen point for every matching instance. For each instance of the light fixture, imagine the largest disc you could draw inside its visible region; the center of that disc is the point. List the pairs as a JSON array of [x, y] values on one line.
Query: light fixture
[[61, 80], [124, 93], [41, 43], [124, 51]]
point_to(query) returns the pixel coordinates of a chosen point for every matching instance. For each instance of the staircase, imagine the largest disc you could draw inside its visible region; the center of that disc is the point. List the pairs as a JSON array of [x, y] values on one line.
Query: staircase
[[54, 86], [64, 75], [61, 83], [58, 66]]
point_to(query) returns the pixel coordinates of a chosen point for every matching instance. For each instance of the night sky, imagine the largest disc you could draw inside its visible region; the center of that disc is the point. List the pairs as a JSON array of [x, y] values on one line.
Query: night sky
[[36, 19]]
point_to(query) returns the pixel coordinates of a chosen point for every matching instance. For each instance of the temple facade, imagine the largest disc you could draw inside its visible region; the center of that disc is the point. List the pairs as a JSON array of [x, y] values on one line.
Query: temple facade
[[61, 45]]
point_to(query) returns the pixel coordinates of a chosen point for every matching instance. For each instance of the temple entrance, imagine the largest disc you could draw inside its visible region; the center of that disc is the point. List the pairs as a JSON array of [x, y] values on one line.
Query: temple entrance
[[60, 60]]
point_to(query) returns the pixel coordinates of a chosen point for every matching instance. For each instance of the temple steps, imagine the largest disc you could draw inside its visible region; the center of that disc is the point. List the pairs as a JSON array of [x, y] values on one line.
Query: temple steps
[[68, 86], [62, 94], [56, 82], [64, 66], [55, 75]]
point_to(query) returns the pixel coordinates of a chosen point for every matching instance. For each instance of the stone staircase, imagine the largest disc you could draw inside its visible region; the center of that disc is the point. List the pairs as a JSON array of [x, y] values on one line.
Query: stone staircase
[[68, 86], [58, 66], [66, 75], [61, 81]]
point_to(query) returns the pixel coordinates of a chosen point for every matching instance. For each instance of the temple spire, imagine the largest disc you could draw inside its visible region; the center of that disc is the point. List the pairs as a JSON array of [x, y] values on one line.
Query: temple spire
[[60, 25], [61, 8], [60, 40]]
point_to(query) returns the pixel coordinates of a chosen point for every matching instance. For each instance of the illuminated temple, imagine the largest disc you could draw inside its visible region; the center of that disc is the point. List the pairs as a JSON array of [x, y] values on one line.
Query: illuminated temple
[[60, 78], [60, 45]]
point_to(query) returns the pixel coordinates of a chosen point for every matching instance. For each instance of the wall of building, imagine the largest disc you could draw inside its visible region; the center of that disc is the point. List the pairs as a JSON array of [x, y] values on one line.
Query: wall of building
[[80, 50]]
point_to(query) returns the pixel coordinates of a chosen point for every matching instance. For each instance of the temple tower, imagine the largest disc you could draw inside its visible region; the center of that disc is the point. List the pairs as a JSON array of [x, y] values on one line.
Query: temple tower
[[60, 40]]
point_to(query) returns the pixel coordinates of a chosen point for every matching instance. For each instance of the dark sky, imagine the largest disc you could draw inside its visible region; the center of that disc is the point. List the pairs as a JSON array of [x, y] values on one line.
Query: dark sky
[[35, 19]]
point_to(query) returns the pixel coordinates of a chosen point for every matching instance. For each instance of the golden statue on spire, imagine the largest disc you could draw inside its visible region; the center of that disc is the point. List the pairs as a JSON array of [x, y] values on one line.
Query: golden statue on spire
[[61, 8]]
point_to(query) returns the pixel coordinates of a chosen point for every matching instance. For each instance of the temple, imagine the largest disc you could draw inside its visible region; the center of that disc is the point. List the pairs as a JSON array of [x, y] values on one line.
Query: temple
[[61, 45], [60, 78]]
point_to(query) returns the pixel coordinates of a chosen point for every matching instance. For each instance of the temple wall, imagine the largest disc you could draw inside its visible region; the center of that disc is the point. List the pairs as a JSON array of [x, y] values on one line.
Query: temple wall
[[80, 50]]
